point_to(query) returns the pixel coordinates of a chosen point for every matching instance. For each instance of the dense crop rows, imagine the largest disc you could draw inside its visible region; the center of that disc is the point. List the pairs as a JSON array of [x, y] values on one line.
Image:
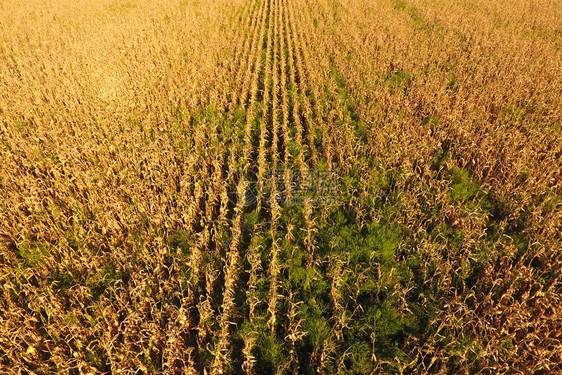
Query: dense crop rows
[[281, 186]]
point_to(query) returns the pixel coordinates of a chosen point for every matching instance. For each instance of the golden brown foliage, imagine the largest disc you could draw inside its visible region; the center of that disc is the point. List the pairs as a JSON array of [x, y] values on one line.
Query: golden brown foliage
[[148, 155]]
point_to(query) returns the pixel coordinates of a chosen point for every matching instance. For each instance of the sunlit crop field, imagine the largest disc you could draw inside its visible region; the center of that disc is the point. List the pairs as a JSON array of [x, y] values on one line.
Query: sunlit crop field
[[281, 186]]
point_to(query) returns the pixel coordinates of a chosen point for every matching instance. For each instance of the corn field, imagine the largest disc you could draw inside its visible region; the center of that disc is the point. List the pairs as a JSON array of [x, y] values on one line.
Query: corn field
[[281, 186]]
